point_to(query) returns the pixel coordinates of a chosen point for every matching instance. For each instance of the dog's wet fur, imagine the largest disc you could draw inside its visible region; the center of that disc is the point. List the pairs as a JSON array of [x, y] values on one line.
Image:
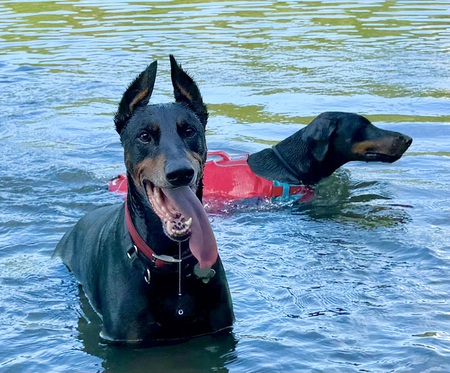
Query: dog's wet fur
[[331, 140], [165, 152]]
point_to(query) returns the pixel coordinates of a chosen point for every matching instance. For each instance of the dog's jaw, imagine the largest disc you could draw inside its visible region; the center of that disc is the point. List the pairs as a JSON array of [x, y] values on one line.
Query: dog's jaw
[[184, 218], [388, 149], [379, 157], [176, 226]]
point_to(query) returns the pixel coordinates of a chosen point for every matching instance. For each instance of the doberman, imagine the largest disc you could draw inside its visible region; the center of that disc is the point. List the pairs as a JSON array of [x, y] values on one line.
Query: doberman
[[150, 266], [293, 165], [331, 140]]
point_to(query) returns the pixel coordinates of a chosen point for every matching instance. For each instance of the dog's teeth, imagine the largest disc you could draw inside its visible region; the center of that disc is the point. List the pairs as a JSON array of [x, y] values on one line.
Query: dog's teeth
[[183, 231], [169, 229], [175, 223], [178, 228]]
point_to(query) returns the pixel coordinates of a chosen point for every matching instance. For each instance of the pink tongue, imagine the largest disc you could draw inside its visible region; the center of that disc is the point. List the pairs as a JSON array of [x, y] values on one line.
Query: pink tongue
[[202, 242]]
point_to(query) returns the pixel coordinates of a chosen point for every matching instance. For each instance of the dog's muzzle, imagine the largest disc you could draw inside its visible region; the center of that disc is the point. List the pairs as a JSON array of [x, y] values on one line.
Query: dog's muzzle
[[184, 217]]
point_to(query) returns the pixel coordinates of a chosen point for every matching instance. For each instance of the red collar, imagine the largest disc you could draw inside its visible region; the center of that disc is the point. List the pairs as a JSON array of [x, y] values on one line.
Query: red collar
[[141, 246]]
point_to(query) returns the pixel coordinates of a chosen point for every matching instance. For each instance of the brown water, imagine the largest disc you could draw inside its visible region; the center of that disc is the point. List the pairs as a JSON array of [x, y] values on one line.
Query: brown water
[[355, 281]]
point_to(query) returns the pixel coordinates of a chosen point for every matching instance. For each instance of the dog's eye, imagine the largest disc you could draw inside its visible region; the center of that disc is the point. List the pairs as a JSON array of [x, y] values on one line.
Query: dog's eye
[[190, 132], [145, 137]]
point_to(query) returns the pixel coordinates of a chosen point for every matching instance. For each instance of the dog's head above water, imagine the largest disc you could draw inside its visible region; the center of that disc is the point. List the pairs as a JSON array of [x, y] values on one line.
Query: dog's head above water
[[165, 152]]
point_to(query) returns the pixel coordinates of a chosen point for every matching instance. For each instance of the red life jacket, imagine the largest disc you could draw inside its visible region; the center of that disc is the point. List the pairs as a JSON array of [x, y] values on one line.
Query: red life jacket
[[231, 178]]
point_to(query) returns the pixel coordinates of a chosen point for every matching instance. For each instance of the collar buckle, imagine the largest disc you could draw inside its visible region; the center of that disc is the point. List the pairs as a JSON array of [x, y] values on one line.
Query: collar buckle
[[132, 253], [165, 258]]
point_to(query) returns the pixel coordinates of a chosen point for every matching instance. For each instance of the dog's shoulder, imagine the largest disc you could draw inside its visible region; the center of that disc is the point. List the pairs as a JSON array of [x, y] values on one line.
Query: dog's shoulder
[[87, 237]]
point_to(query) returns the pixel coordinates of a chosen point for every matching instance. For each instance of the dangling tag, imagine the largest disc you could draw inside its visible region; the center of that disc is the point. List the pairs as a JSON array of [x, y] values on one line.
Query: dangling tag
[[204, 274]]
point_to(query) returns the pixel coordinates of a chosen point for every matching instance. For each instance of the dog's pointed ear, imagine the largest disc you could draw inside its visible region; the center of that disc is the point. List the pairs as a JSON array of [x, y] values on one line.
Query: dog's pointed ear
[[187, 92], [318, 134], [137, 95]]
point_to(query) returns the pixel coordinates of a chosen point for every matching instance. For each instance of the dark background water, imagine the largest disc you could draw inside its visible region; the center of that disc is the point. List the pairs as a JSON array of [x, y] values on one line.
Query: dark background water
[[357, 280]]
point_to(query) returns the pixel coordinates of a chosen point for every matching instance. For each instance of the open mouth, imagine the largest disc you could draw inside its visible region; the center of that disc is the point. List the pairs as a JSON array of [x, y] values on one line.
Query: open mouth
[[379, 157], [184, 218], [176, 225]]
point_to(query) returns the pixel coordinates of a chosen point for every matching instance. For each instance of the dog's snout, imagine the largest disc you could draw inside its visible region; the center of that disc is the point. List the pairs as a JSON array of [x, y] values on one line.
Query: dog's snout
[[403, 142], [179, 175], [408, 140]]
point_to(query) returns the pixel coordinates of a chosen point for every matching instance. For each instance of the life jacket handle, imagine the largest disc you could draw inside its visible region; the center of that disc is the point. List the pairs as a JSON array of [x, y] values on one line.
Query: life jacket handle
[[220, 153]]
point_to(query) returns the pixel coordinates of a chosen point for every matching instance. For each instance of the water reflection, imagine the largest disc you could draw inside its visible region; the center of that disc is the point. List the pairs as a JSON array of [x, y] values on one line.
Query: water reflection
[[367, 205], [299, 44]]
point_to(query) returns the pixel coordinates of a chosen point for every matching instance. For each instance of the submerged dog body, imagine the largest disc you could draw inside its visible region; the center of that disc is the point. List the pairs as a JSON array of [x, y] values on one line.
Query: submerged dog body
[[150, 267]]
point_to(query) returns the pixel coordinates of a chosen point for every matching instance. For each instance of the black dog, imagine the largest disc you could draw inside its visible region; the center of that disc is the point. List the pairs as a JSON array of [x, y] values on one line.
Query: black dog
[[300, 161], [328, 142], [150, 267]]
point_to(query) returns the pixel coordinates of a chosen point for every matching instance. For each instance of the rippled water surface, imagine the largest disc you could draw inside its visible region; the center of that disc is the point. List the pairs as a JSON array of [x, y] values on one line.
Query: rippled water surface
[[355, 281]]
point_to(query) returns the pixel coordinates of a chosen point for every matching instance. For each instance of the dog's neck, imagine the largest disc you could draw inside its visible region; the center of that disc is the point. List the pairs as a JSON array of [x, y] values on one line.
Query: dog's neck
[[302, 167], [267, 164]]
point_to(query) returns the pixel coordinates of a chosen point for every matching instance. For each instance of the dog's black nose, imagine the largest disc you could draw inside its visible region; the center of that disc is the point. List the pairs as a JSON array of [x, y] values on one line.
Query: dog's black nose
[[408, 140], [180, 176], [403, 142]]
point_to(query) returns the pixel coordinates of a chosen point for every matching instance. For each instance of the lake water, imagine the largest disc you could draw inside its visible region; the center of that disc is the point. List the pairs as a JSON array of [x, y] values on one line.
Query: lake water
[[355, 281]]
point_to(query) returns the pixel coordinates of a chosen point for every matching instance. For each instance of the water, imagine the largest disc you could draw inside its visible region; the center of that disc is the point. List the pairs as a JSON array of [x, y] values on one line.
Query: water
[[355, 281]]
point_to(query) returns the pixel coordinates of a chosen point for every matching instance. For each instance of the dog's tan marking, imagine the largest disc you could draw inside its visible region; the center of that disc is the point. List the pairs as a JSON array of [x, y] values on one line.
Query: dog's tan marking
[[198, 162], [140, 96], [185, 92], [150, 169], [381, 146]]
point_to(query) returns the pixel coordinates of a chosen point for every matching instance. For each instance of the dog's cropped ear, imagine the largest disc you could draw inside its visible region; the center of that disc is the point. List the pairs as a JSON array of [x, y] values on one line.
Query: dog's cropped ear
[[318, 134], [187, 92], [137, 95]]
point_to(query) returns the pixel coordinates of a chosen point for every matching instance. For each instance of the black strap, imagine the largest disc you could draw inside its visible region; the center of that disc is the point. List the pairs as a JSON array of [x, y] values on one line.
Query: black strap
[[285, 163]]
